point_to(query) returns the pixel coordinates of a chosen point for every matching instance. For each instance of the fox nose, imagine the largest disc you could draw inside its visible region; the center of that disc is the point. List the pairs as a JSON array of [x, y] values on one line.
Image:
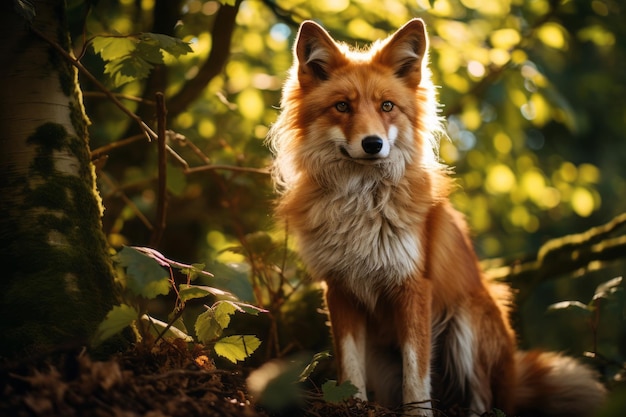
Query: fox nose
[[372, 144]]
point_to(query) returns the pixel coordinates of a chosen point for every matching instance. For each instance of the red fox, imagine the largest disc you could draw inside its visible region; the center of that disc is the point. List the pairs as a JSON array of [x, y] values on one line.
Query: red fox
[[413, 319]]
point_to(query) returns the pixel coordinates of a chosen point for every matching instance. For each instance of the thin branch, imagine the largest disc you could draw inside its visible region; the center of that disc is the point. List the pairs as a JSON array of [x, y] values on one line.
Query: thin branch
[[97, 94], [157, 233], [261, 171], [96, 153], [183, 141]]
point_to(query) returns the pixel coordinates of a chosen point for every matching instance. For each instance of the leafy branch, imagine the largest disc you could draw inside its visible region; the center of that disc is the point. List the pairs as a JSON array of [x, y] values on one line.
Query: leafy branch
[[148, 275], [148, 132]]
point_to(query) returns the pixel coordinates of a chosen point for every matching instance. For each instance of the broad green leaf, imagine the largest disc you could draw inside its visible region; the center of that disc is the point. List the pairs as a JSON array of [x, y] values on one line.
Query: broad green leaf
[[115, 321], [144, 275], [169, 44], [607, 289], [129, 66], [149, 52], [188, 292], [172, 332], [113, 47], [233, 278], [237, 348], [207, 328], [223, 311], [210, 324], [334, 393]]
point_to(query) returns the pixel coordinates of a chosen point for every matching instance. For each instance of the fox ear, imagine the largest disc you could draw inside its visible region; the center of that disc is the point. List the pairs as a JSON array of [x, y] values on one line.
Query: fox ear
[[404, 51], [316, 52]]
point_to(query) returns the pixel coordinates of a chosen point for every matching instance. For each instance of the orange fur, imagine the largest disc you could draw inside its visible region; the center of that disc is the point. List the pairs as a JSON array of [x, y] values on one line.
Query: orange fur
[[412, 316]]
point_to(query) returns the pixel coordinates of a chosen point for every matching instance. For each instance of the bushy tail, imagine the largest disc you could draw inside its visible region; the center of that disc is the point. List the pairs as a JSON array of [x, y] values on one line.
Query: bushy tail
[[550, 384]]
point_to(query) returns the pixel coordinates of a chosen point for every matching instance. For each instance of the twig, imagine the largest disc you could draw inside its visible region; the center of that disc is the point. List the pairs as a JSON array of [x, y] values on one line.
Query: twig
[[262, 171], [157, 233], [183, 141], [96, 153], [97, 94]]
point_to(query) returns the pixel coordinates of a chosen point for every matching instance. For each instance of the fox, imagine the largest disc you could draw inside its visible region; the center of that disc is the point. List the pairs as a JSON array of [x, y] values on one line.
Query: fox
[[416, 325]]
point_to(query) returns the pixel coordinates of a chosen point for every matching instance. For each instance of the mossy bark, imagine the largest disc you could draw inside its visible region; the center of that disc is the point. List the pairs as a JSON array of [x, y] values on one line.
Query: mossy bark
[[57, 282]]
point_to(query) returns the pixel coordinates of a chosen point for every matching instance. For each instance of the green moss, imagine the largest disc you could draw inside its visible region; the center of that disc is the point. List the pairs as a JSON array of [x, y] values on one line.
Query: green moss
[[49, 136], [43, 165], [51, 195], [79, 121], [39, 292]]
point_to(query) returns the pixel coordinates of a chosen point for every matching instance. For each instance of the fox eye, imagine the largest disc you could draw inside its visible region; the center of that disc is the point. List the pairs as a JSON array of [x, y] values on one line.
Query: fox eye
[[387, 106], [342, 107]]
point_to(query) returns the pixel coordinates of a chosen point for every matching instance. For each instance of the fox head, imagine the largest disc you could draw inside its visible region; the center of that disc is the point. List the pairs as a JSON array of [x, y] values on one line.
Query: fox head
[[348, 110]]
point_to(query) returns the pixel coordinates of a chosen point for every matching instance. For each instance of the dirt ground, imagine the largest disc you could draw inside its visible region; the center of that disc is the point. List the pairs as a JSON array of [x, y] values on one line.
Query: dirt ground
[[169, 380]]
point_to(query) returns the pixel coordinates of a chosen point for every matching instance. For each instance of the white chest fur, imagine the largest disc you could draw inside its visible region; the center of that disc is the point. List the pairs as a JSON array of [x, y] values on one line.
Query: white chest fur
[[364, 236]]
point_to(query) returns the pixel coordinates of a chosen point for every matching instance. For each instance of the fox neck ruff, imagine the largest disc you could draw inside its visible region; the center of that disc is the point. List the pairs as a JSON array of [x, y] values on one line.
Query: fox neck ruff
[[365, 231]]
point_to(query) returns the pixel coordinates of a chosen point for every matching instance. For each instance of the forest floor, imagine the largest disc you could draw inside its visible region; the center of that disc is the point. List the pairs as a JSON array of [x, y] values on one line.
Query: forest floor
[[169, 380]]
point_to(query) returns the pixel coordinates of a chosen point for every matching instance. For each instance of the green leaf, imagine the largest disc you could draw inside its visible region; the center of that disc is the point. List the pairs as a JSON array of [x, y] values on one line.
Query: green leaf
[[571, 306], [132, 57], [113, 47], [207, 328], [334, 393], [129, 67], [169, 44], [237, 348], [608, 289], [144, 275], [149, 52], [234, 278], [223, 311], [188, 292], [172, 332], [115, 321], [228, 2], [210, 324]]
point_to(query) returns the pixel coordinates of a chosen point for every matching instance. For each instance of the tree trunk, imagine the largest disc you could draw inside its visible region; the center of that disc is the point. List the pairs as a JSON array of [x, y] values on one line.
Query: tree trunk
[[57, 280]]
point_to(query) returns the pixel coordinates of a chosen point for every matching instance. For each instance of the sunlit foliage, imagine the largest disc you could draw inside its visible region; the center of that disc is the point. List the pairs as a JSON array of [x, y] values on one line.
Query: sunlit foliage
[[530, 91]]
